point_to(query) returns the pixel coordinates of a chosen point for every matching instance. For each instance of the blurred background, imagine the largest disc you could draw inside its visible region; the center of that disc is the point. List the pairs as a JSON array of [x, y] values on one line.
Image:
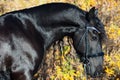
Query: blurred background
[[62, 63]]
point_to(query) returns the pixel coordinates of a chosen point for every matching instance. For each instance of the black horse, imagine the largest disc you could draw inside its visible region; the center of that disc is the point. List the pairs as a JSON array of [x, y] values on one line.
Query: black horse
[[26, 34]]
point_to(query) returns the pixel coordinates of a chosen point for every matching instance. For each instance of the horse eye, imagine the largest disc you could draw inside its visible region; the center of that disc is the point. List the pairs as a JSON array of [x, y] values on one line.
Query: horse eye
[[94, 32], [94, 38]]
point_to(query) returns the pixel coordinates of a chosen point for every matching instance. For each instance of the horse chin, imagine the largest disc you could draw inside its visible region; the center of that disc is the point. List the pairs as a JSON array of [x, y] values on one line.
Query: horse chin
[[96, 74]]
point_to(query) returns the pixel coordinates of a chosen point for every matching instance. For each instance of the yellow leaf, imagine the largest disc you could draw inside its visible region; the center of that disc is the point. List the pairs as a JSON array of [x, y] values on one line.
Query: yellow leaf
[[109, 71]]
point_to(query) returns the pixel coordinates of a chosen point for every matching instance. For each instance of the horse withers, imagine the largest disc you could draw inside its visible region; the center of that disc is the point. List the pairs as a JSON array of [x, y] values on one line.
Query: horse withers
[[26, 34]]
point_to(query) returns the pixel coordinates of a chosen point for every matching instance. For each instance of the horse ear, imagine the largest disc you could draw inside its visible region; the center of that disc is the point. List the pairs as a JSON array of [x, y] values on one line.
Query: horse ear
[[92, 13]]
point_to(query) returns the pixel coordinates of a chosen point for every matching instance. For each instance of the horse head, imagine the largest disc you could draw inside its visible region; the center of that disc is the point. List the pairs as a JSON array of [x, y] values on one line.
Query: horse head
[[88, 44]]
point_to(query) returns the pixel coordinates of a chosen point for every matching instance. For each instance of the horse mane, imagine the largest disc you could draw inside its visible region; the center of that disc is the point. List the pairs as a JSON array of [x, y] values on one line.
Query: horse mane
[[101, 28]]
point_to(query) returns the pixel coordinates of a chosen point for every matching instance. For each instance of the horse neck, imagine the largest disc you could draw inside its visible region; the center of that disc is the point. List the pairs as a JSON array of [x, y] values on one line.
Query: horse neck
[[58, 33]]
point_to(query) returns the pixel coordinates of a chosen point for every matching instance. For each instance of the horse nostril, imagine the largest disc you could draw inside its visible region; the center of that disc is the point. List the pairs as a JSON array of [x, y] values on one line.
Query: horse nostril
[[98, 73]]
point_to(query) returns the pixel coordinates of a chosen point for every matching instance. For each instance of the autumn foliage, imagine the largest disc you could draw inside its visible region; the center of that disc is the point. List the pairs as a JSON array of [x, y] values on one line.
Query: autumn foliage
[[66, 67]]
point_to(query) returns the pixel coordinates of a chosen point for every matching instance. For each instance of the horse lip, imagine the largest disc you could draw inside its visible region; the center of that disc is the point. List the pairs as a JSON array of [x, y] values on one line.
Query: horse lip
[[96, 75]]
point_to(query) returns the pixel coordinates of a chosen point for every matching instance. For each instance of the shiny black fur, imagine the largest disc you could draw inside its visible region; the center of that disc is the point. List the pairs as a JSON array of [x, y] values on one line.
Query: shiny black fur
[[26, 34]]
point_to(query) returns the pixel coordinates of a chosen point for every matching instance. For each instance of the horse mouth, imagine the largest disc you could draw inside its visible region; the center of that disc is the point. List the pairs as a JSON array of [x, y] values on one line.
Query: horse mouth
[[96, 74]]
